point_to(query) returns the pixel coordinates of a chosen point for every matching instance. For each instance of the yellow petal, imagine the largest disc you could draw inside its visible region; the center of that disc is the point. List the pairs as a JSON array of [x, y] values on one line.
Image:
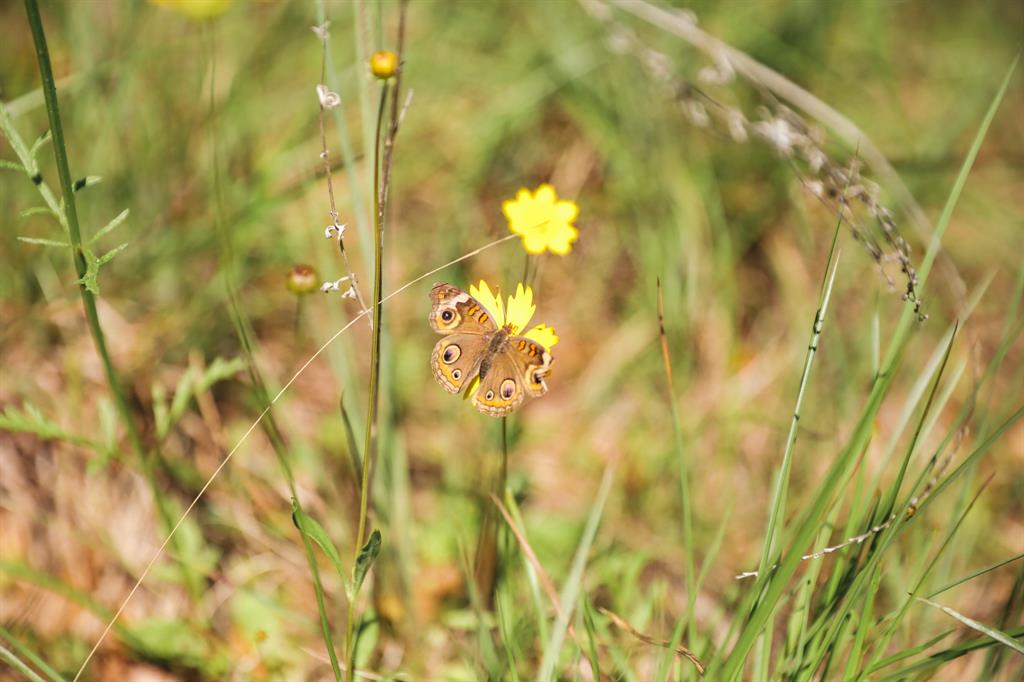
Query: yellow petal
[[560, 240], [544, 335], [520, 308], [566, 211], [535, 242], [545, 196], [471, 389], [515, 213], [490, 301]]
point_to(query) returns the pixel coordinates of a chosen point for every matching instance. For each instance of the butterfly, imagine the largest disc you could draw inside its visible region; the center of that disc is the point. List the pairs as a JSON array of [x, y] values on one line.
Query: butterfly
[[510, 368]]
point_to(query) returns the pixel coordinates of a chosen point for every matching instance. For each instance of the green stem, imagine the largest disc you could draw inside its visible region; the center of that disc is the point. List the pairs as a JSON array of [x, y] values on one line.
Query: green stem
[[374, 389], [241, 324], [71, 213], [88, 298], [684, 476]]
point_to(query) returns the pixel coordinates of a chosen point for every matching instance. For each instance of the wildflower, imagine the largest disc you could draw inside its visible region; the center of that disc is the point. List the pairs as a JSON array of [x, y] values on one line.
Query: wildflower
[[302, 279], [384, 64], [544, 222], [196, 10], [516, 314]]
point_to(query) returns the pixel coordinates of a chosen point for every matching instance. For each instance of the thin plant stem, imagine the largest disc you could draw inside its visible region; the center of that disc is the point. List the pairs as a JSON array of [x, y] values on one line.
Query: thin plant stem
[[487, 564], [377, 310], [325, 155], [262, 395], [146, 458], [684, 476]]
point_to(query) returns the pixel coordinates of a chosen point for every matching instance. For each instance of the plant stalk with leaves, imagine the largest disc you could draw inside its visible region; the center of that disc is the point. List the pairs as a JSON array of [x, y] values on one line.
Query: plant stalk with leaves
[[87, 264]]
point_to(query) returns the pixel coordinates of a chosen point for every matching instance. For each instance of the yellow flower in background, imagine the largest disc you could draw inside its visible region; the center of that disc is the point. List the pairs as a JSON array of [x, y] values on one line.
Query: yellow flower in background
[[542, 220], [196, 10]]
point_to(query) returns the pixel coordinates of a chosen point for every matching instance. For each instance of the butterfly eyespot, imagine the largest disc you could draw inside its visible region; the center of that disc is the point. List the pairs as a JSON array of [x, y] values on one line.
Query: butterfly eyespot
[[508, 389], [489, 396], [451, 354], [448, 315], [456, 374]]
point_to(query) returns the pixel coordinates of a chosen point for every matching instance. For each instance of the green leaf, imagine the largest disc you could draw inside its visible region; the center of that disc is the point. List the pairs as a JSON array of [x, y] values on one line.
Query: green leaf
[[37, 210], [16, 663], [588, 623], [219, 370], [998, 635], [90, 280], [38, 144], [10, 165], [160, 413], [105, 258], [92, 270], [312, 529], [367, 555], [574, 582], [188, 386], [182, 396], [30, 655], [170, 640], [87, 181], [120, 218], [44, 242], [30, 420]]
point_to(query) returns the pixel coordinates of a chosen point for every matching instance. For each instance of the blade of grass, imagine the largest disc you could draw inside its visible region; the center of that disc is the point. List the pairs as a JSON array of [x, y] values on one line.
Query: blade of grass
[[16, 663], [574, 582], [997, 635], [781, 487], [974, 575], [945, 656], [588, 624], [1012, 611], [32, 657], [684, 477]]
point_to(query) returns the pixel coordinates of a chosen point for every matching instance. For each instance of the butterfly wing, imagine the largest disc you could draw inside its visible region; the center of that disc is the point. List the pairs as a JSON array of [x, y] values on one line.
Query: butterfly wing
[[515, 373], [456, 359], [456, 311]]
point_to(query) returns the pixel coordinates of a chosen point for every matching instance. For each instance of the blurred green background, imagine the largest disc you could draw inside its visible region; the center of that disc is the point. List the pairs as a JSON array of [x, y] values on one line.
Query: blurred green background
[[194, 122]]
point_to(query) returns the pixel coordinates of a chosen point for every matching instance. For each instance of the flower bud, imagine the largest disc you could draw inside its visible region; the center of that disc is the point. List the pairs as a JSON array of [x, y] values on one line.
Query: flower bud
[[384, 64], [302, 280]]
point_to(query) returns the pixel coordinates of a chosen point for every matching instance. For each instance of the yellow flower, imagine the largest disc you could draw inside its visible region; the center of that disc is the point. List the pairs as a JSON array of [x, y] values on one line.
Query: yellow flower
[[542, 220], [196, 10], [383, 64], [516, 314]]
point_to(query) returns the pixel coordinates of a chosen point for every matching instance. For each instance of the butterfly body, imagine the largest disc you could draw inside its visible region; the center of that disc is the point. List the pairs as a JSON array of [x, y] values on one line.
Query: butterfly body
[[510, 368]]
